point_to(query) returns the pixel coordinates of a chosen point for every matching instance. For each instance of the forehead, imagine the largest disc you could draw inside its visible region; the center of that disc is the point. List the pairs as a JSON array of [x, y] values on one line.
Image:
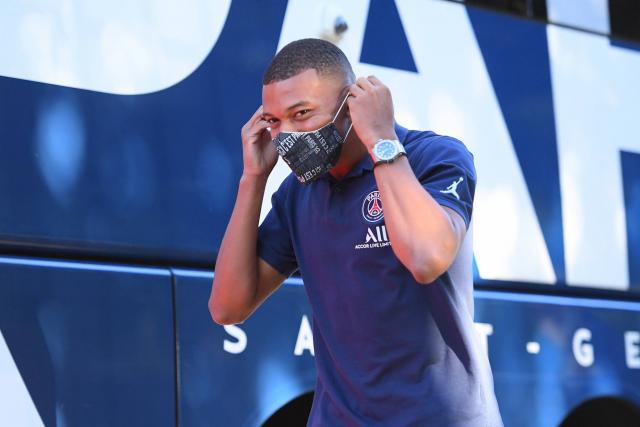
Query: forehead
[[307, 86]]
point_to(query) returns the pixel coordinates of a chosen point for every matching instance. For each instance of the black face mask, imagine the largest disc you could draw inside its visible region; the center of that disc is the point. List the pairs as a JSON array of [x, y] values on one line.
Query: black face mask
[[311, 154]]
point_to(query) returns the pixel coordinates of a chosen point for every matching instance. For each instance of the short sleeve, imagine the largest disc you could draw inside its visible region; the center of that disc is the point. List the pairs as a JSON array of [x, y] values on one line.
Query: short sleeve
[[445, 168], [274, 237]]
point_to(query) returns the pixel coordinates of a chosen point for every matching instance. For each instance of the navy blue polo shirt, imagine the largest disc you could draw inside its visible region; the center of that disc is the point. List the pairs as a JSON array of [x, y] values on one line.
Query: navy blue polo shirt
[[388, 350]]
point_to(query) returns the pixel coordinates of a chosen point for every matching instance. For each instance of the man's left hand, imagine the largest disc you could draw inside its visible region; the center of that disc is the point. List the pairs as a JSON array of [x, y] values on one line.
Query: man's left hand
[[371, 110]]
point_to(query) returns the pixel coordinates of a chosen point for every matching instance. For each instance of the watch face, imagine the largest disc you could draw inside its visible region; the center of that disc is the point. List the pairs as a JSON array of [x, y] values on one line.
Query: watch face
[[385, 150]]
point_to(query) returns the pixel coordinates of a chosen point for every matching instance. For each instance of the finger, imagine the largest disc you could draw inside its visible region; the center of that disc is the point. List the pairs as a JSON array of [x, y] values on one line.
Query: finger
[[257, 115], [355, 90], [259, 126], [375, 81], [364, 83], [256, 127]]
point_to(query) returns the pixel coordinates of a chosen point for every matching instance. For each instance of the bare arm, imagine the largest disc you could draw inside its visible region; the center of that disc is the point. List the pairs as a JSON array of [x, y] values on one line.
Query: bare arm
[[425, 236], [242, 280]]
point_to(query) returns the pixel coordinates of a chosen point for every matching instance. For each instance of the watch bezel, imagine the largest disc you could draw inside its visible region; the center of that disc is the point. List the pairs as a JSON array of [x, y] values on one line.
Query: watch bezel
[[396, 144]]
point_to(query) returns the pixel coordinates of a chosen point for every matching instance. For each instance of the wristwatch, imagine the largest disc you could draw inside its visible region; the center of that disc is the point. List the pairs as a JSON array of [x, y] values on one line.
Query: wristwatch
[[387, 151]]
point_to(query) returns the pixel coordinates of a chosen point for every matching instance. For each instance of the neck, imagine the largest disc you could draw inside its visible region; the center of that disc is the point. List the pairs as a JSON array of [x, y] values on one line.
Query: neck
[[352, 152]]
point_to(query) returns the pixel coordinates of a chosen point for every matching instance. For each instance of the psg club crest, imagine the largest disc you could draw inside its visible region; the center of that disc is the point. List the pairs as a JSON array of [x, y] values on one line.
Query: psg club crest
[[372, 207]]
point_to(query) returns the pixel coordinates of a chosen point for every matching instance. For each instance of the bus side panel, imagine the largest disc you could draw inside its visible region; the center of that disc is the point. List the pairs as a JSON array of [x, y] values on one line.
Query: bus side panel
[[240, 375], [93, 344], [150, 175], [548, 354]]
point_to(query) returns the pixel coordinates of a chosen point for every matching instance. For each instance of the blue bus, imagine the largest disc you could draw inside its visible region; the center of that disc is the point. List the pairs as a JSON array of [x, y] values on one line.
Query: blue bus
[[120, 155]]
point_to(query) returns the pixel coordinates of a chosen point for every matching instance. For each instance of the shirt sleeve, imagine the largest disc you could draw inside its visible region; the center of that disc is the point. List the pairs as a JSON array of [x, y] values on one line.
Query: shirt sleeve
[[274, 236], [445, 168]]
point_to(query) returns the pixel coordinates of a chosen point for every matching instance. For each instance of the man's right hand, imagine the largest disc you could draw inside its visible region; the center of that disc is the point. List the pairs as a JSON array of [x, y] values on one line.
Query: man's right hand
[[258, 153]]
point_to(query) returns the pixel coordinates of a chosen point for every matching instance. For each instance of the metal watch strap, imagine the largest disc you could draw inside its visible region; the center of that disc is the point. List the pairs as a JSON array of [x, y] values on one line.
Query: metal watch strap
[[396, 157], [401, 152]]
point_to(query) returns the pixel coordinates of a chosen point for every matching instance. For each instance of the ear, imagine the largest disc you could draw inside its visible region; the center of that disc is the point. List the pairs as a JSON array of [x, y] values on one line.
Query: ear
[[347, 114], [347, 110]]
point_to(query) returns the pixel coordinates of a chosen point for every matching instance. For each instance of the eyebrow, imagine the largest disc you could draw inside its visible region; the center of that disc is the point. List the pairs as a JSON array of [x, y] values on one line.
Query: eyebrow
[[296, 105]]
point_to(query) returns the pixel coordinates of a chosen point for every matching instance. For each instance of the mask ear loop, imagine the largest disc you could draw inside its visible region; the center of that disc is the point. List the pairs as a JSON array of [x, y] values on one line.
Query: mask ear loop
[[336, 116]]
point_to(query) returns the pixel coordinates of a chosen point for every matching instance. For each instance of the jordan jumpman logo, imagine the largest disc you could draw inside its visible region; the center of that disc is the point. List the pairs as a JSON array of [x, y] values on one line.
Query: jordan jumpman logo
[[452, 188]]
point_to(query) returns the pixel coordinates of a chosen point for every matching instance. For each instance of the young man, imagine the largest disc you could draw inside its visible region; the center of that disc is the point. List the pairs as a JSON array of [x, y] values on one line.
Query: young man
[[375, 218]]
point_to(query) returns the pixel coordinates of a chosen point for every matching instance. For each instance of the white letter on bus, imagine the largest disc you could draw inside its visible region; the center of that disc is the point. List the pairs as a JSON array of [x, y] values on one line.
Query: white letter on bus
[[582, 350], [632, 349], [305, 338], [483, 330], [237, 346]]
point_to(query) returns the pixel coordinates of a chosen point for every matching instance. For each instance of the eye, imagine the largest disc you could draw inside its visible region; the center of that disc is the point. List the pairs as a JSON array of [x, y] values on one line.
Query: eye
[[300, 114], [270, 120]]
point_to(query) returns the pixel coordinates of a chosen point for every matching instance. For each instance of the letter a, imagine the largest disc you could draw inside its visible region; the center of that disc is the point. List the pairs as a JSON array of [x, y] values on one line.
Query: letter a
[[305, 338]]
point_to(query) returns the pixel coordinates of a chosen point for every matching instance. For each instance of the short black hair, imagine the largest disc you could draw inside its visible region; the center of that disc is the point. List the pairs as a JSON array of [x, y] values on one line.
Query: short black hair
[[304, 54]]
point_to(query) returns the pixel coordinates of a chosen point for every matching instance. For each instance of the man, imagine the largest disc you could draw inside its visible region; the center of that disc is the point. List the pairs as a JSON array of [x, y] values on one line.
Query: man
[[374, 217]]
